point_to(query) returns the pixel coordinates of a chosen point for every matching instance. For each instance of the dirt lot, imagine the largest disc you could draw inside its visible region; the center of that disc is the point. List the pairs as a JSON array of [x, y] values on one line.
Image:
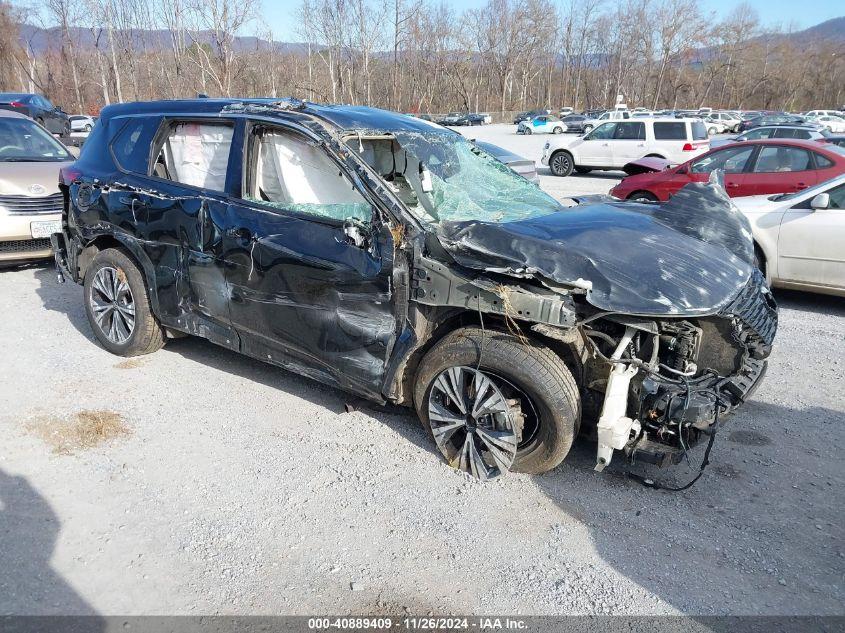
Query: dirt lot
[[199, 481]]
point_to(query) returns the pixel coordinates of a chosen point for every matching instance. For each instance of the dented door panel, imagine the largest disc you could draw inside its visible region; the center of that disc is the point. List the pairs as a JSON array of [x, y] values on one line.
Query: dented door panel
[[302, 296]]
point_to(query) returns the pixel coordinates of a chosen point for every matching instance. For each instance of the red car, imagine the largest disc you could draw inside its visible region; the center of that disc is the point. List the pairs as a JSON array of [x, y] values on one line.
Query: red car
[[751, 168]]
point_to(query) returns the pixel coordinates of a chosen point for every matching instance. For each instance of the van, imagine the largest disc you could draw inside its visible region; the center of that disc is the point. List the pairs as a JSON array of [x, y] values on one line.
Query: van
[[613, 144]]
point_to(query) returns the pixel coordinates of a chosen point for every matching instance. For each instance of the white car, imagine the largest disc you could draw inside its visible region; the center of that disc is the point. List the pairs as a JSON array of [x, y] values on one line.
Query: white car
[[614, 144], [81, 123], [727, 121], [545, 124], [833, 123], [610, 115], [814, 113], [798, 237]]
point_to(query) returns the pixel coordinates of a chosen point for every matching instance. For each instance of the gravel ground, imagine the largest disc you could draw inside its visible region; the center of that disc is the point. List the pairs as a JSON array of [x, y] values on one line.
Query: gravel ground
[[237, 487]]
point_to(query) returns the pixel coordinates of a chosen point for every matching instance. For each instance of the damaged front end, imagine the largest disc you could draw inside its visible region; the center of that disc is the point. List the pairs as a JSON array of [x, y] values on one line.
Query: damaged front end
[[676, 322]]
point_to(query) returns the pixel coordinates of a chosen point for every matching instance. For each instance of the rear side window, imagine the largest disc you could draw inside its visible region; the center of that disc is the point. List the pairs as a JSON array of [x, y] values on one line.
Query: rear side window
[[131, 146], [195, 154], [782, 159], [699, 131], [671, 131], [822, 162]]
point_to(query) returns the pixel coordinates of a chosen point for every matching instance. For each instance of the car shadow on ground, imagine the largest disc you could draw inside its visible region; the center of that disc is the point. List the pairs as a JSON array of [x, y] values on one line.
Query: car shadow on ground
[[64, 298], [719, 545], [606, 175], [810, 302], [29, 529]]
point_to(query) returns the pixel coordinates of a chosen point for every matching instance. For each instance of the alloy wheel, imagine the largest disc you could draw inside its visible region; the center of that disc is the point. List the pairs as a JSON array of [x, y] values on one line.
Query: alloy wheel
[[473, 423], [560, 163], [112, 304]]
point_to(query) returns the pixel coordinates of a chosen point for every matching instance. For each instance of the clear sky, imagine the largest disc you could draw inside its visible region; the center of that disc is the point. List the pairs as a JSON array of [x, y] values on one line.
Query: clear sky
[[280, 15]]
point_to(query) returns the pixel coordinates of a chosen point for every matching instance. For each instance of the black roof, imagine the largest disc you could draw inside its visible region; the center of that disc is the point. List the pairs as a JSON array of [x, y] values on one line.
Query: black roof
[[343, 117]]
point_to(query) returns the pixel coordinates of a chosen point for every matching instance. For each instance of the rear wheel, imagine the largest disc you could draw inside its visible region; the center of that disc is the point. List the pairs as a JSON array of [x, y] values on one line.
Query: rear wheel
[[561, 163], [642, 196], [527, 131], [493, 403], [558, 130], [118, 306]]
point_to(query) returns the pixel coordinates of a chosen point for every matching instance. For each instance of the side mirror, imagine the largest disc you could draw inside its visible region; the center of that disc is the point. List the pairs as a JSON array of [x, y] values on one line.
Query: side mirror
[[682, 170], [821, 201]]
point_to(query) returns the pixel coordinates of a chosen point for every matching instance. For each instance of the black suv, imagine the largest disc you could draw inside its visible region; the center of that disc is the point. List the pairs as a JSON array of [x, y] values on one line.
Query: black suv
[[394, 259], [38, 108]]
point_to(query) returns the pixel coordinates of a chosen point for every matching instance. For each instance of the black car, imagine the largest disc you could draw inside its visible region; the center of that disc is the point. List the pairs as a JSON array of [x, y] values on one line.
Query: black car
[[528, 115], [473, 118], [768, 119], [38, 108], [396, 260]]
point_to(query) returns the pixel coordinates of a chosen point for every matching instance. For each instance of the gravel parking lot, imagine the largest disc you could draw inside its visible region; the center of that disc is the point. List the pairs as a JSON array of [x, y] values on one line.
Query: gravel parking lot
[[230, 486]]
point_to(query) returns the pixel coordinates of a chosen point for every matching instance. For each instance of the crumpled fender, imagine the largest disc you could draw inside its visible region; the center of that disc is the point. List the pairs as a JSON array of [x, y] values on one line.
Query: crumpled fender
[[689, 256]]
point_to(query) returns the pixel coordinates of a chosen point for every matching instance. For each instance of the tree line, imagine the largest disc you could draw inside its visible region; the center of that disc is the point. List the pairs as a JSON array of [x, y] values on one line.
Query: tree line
[[418, 55]]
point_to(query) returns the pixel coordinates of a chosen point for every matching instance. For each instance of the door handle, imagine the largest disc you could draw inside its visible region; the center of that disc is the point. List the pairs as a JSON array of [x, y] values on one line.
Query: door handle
[[801, 185], [240, 233], [732, 185]]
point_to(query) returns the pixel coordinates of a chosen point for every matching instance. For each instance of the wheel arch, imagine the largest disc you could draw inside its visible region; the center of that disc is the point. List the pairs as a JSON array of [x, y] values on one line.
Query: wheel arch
[[132, 249], [440, 322]]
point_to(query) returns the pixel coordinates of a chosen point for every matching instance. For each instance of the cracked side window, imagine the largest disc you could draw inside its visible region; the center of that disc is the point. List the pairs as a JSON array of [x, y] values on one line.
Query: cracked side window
[[290, 173]]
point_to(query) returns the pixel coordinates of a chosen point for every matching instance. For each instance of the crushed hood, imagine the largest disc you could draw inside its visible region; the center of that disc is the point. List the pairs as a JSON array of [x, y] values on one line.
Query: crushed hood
[[647, 165], [689, 256]]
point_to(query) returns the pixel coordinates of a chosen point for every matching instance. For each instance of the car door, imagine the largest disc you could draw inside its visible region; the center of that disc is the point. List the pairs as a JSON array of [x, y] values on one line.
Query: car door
[[595, 149], [628, 142], [175, 196], [539, 124], [51, 116], [779, 169], [732, 162], [810, 243], [308, 266]]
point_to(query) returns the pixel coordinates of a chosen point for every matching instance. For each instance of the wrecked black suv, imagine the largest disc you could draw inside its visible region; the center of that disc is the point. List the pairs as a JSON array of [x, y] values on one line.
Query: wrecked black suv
[[392, 258]]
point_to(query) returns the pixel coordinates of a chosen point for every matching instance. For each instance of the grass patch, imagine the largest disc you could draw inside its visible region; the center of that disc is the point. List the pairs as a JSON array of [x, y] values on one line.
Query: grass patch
[[84, 430]]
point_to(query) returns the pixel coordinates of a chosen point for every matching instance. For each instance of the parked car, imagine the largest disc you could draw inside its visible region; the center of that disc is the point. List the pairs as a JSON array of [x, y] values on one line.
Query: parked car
[[815, 113], [451, 119], [836, 140], [37, 108], [544, 124], [729, 121], [833, 124], [81, 123], [750, 168], [530, 114], [565, 112], [30, 201], [799, 236], [389, 257], [801, 132], [608, 115], [773, 119], [614, 144], [522, 166], [473, 118], [574, 123], [715, 126]]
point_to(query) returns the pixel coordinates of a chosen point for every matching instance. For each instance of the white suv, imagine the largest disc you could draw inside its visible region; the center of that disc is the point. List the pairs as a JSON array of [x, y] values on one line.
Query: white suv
[[613, 144]]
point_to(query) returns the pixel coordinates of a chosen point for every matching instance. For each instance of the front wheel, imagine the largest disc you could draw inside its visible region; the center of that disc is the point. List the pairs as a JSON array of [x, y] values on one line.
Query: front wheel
[[527, 131], [118, 306], [493, 403], [712, 131], [561, 163]]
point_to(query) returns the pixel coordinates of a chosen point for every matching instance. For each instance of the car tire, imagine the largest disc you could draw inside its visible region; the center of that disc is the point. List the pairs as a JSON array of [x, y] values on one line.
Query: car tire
[[527, 131], [561, 163], [557, 130], [114, 288], [712, 131], [588, 129], [540, 391], [88, 127], [642, 196], [583, 170]]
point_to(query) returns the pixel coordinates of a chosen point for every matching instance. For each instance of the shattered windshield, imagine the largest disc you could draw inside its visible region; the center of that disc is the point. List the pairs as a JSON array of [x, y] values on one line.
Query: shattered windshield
[[454, 180]]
